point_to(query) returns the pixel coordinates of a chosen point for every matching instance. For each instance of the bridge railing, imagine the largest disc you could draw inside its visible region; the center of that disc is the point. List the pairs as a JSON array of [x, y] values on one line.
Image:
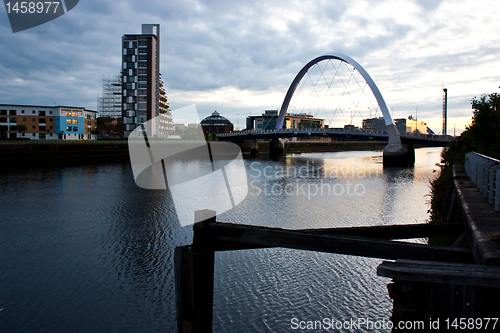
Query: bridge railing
[[338, 130], [484, 171]]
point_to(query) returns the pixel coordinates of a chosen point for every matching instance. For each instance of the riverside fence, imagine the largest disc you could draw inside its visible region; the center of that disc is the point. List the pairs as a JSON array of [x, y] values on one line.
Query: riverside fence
[[484, 171]]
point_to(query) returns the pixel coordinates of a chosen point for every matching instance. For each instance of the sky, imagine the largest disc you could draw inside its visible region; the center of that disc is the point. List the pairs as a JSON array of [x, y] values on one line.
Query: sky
[[239, 57]]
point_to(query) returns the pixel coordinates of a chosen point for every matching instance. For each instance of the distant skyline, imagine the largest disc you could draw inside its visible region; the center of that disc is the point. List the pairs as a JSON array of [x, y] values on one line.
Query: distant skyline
[[239, 57]]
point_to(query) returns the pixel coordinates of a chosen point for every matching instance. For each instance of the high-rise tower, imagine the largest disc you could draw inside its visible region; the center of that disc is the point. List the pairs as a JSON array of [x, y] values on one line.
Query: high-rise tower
[[141, 77], [445, 110]]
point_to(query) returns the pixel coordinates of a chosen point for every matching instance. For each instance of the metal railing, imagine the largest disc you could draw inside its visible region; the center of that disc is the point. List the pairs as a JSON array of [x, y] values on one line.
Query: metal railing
[[335, 130], [484, 172]]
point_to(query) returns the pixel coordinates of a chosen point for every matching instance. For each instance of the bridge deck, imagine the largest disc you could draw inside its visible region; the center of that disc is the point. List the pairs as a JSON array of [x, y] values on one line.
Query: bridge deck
[[427, 140]]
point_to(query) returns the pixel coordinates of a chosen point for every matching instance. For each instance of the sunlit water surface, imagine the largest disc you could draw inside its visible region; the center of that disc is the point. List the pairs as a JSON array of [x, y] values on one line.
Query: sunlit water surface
[[83, 249]]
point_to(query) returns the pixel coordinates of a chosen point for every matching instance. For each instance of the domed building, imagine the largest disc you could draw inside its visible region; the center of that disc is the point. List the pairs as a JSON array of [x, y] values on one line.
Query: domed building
[[216, 123]]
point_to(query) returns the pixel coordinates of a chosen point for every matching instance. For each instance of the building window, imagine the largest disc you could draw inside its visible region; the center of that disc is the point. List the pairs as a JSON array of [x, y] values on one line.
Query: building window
[[12, 120], [75, 121], [74, 114], [50, 127], [22, 111], [41, 113], [75, 128], [50, 119], [68, 121], [41, 120], [33, 134], [12, 112], [33, 111], [24, 119], [33, 119], [33, 127], [50, 112], [68, 128]]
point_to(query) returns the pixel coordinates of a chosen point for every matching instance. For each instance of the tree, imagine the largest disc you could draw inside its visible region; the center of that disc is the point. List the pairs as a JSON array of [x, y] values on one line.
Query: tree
[[485, 128], [192, 134], [21, 128], [213, 136], [482, 136]]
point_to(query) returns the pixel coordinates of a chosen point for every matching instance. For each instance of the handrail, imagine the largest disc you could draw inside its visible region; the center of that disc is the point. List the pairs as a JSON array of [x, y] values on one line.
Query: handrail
[[484, 171]]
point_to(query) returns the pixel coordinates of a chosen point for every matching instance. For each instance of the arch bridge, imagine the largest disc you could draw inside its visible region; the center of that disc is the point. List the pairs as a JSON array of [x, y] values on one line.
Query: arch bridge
[[397, 152]]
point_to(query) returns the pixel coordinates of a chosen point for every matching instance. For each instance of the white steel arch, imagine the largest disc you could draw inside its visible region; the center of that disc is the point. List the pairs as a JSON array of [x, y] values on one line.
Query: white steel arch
[[342, 57]]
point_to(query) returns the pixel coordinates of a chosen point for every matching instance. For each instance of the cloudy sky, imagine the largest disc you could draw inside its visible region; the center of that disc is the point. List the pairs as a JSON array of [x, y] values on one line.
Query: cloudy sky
[[239, 57]]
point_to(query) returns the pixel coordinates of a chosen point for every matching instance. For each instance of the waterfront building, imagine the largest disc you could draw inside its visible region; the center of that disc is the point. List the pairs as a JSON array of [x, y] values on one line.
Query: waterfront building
[[166, 124], [410, 125], [374, 124], [403, 125], [48, 122], [141, 78], [216, 123], [302, 121], [143, 94], [109, 127], [267, 121]]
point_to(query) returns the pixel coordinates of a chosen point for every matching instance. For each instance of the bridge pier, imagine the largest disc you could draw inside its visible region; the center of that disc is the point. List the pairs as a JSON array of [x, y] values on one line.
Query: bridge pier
[[399, 158], [395, 153], [254, 148], [276, 147]]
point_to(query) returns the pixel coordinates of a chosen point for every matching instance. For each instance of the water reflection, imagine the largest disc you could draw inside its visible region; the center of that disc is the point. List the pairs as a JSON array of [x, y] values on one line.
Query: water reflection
[[82, 248]]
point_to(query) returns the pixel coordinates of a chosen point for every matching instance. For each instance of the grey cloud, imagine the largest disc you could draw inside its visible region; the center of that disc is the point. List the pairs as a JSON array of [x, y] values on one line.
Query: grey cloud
[[207, 45]]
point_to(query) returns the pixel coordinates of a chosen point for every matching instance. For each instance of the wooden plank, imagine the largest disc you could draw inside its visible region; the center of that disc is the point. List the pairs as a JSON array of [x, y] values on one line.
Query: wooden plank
[[185, 262], [273, 237], [203, 286], [439, 272], [404, 231]]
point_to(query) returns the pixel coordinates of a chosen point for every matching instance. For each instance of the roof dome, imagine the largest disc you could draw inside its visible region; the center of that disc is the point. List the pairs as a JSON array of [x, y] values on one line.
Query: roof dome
[[215, 119]]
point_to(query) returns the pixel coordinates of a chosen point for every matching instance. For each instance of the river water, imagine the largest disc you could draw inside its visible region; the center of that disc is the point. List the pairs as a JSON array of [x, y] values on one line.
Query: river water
[[83, 249]]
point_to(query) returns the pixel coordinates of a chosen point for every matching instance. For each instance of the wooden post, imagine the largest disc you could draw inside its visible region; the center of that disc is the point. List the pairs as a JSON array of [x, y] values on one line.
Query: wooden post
[[194, 278]]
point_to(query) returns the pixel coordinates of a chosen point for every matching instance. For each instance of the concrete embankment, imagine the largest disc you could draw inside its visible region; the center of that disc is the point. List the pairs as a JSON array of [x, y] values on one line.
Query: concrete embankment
[[23, 153]]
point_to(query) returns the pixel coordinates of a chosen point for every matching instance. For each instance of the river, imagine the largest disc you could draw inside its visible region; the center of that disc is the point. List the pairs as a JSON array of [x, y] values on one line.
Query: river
[[83, 249]]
